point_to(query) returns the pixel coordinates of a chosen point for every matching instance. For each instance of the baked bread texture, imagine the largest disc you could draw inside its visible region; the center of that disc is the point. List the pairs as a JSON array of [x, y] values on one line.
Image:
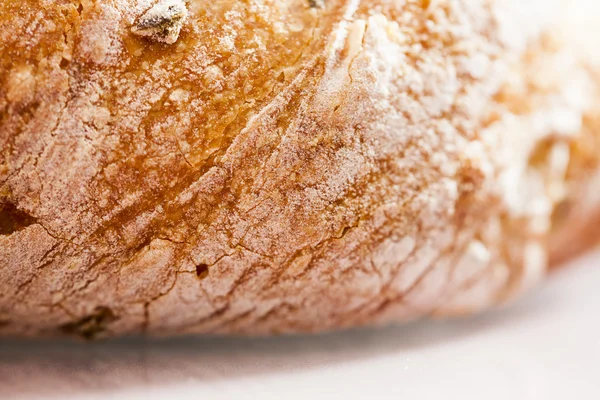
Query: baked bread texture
[[274, 166]]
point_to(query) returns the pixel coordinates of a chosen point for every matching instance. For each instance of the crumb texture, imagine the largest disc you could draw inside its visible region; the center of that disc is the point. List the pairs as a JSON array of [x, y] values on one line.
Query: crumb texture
[[272, 166]]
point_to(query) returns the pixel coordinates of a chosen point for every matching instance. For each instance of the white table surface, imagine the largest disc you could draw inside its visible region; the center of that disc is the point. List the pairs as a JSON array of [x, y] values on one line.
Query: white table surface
[[546, 346]]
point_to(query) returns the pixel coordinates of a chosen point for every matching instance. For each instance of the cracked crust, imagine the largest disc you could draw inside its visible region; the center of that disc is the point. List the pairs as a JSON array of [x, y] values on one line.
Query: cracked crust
[[286, 166]]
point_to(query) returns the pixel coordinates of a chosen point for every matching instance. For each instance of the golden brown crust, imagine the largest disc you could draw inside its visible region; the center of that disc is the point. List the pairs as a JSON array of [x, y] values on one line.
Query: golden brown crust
[[281, 166]]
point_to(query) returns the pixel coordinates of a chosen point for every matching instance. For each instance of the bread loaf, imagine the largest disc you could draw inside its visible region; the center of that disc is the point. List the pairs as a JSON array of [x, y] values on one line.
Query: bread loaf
[[274, 166]]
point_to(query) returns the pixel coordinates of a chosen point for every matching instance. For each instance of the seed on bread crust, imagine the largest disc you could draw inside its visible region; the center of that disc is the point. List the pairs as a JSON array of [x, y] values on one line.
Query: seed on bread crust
[[163, 22]]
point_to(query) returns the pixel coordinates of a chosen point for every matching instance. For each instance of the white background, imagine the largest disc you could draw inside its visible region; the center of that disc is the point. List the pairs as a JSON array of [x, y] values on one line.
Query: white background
[[545, 346]]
